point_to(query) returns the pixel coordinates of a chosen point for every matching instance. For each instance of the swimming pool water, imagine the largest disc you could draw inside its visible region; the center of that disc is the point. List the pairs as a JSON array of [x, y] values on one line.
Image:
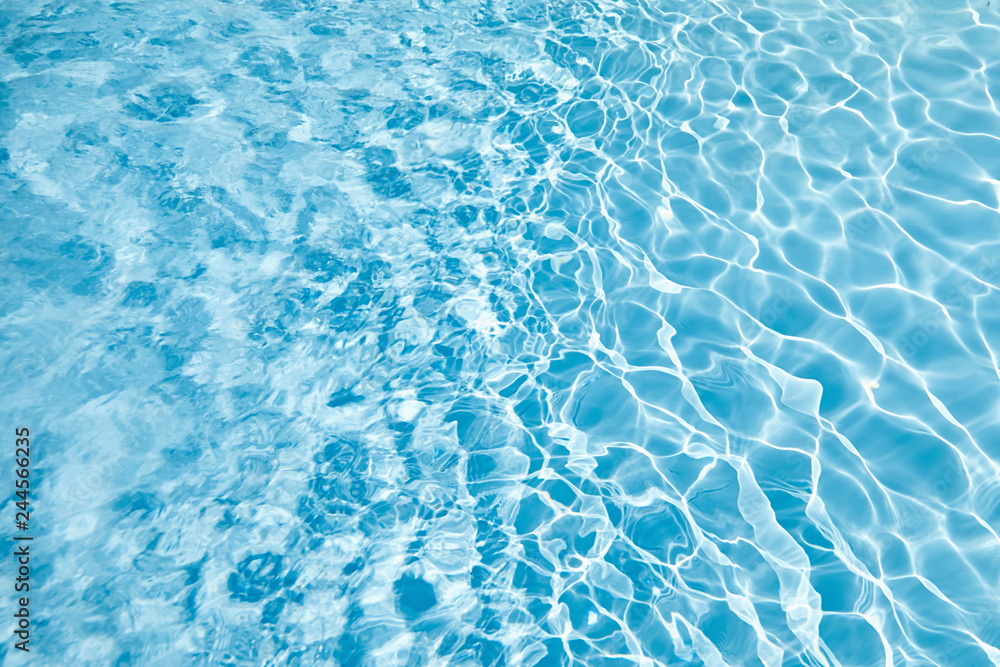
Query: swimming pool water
[[496, 332]]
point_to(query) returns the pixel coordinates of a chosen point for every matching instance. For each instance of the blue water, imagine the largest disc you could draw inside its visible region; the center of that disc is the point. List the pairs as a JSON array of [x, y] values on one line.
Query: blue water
[[498, 332]]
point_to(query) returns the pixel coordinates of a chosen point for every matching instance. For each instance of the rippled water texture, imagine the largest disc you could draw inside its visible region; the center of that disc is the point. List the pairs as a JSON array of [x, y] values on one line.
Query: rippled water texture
[[506, 332]]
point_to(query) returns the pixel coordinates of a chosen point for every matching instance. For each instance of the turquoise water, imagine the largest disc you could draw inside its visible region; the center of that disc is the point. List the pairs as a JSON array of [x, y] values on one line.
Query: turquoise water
[[504, 332]]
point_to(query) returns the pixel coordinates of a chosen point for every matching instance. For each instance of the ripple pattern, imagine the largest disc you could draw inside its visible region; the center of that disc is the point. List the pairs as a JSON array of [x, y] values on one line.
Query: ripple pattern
[[494, 332]]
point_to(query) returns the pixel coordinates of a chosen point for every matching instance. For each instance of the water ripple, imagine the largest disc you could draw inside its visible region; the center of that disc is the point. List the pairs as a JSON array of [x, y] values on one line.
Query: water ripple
[[583, 332]]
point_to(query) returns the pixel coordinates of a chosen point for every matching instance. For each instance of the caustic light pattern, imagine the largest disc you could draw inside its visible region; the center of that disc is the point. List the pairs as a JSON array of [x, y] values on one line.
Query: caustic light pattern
[[505, 332]]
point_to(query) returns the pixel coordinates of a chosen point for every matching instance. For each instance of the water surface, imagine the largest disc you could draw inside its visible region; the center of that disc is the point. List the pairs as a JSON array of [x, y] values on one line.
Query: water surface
[[505, 332]]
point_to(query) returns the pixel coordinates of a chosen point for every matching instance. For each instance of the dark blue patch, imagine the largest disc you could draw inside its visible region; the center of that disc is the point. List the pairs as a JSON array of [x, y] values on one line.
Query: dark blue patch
[[466, 215], [403, 116], [339, 454], [350, 651], [173, 358], [272, 610], [81, 137], [414, 596], [139, 294], [388, 182], [269, 63], [343, 397], [480, 576], [324, 264], [267, 137], [259, 576], [354, 566], [144, 503], [335, 492], [164, 103], [326, 30], [194, 572]]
